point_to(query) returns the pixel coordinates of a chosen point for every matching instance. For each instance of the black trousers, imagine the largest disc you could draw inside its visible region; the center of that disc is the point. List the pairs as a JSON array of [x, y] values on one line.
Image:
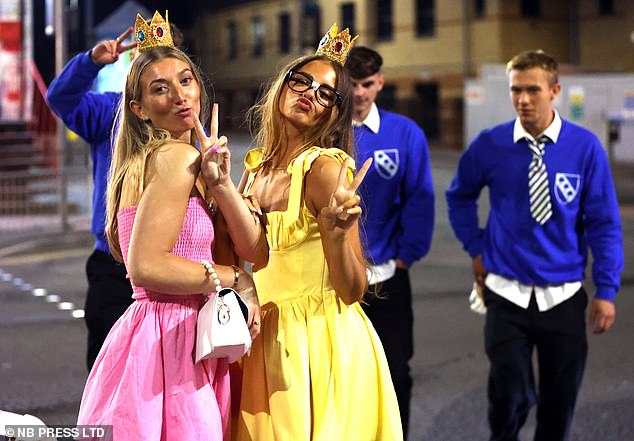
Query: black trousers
[[559, 337], [109, 295], [389, 308]]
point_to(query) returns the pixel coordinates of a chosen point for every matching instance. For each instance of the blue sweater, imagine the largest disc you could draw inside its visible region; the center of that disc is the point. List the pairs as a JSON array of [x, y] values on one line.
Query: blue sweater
[[513, 245], [90, 115], [397, 192]]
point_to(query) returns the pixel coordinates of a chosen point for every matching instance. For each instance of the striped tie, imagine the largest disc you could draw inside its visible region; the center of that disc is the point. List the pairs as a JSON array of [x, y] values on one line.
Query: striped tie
[[538, 193]]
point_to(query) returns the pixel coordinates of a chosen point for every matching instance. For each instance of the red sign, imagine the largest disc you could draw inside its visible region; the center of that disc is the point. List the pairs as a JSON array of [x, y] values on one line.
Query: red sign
[[11, 71]]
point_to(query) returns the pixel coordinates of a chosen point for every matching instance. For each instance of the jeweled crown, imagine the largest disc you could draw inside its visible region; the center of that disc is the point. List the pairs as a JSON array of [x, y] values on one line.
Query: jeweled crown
[[154, 34], [336, 45]]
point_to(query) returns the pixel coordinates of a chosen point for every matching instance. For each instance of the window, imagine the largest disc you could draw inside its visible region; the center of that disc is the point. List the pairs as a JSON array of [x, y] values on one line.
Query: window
[[347, 17], [427, 110], [479, 8], [285, 33], [425, 24], [531, 8], [310, 26], [232, 40], [384, 19], [257, 36], [387, 98], [256, 94], [226, 102], [606, 7]]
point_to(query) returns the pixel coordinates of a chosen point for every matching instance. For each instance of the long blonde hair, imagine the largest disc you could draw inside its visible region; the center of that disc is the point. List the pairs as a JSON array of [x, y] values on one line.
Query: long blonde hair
[[335, 130], [136, 139]]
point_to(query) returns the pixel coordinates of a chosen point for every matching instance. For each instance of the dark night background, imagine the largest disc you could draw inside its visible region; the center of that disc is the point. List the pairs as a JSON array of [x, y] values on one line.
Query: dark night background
[[183, 13]]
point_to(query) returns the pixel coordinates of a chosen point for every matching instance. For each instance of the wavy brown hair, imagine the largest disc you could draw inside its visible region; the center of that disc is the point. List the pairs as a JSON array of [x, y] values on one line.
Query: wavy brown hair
[[335, 129], [136, 140]]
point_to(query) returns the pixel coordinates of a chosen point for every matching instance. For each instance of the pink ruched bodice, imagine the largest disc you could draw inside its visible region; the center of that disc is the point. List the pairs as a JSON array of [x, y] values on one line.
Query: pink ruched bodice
[[145, 384], [194, 242]]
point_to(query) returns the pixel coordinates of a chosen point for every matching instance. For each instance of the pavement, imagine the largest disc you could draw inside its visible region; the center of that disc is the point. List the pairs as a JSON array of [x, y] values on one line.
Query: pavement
[[42, 335]]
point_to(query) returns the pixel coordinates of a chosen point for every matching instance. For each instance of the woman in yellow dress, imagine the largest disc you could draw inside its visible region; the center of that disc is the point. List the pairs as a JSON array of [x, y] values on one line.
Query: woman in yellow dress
[[317, 371]]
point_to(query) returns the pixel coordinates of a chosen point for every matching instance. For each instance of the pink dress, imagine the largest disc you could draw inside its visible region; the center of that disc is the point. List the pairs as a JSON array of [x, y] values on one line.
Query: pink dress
[[145, 383]]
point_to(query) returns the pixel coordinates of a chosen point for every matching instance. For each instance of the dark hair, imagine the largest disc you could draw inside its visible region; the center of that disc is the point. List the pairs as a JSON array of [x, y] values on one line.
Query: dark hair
[[363, 62], [530, 59], [177, 37]]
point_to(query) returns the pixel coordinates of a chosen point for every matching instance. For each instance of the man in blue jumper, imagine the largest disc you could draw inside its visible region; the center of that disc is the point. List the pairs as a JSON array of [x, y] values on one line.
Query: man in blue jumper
[[552, 197], [398, 196], [91, 115]]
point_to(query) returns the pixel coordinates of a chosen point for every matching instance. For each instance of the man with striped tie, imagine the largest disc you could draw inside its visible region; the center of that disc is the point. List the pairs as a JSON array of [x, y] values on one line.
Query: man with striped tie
[[552, 198]]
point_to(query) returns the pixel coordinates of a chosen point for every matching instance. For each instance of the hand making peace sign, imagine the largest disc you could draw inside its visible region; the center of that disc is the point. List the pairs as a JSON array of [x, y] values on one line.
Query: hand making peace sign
[[216, 157], [343, 209], [107, 52]]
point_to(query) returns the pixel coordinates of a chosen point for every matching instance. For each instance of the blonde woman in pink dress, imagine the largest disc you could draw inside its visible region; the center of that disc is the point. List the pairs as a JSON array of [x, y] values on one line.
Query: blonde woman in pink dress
[[145, 383]]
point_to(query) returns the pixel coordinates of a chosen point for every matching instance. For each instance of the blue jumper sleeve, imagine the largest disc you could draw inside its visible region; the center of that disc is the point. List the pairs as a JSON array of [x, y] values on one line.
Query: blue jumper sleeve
[[602, 225], [417, 193], [462, 200], [87, 113]]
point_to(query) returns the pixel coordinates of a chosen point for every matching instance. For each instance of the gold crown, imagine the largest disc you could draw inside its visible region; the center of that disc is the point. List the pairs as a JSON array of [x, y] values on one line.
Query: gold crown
[[156, 33], [336, 45]]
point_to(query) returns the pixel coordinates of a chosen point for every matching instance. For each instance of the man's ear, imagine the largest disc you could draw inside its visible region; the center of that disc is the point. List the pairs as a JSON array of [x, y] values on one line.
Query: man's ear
[[380, 81], [138, 110], [554, 90]]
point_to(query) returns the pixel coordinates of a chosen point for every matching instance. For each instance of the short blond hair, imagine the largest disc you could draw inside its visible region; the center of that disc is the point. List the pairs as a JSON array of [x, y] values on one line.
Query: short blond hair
[[535, 58]]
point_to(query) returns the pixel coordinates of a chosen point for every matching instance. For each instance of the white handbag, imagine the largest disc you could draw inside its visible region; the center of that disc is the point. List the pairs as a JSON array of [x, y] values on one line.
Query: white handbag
[[222, 330]]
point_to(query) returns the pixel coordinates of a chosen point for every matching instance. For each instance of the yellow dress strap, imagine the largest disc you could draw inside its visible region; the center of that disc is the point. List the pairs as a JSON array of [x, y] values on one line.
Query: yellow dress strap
[[298, 168], [252, 163], [253, 159]]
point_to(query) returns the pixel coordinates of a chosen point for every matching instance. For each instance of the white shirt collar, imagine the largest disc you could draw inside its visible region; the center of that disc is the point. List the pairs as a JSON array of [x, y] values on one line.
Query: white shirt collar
[[552, 132], [372, 121]]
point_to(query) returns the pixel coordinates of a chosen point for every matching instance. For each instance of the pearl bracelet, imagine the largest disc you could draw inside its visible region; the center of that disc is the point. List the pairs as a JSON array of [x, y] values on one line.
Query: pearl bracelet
[[236, 275], [210, 270]]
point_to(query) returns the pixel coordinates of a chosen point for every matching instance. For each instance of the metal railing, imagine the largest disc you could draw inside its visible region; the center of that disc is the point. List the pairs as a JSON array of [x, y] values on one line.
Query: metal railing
[[36, 194], [30, 201], [43, 124]]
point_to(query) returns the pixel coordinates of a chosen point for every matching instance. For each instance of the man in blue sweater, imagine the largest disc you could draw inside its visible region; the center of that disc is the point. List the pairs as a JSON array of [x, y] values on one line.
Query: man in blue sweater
[[398, 196], [91, 115], [552, 197]]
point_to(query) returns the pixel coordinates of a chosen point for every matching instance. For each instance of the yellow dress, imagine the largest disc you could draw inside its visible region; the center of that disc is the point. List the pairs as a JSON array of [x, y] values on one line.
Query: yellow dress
[[317, 371]]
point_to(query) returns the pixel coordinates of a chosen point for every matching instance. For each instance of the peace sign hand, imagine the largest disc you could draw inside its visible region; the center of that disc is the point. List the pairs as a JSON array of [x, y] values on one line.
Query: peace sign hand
[[216, 157], [107, 52], [343, 209]]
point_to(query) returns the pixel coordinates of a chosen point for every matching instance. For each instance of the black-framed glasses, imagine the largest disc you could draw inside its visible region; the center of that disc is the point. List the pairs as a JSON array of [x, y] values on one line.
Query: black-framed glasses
[[325, 95]]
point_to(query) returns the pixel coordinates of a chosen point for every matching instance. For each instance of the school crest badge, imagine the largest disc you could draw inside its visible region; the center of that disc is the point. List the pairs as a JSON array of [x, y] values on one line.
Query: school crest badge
[[566, 187], [386, 162]]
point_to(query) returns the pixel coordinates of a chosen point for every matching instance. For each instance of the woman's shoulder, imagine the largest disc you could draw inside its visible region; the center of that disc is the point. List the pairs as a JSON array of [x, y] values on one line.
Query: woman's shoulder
[[322, 168], [315, 154], [176, 154], [174, 158], [319, 158], [324, 165], [174, 149]]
